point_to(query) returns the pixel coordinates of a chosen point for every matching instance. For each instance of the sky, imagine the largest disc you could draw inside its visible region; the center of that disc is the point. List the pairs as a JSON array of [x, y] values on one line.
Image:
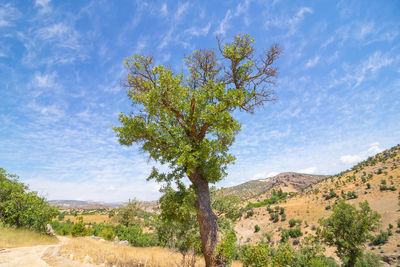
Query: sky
[[61, 67]]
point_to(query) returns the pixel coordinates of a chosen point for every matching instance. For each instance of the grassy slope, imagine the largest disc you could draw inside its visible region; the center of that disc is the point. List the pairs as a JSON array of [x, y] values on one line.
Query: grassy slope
[[310, 205], [10, 237]]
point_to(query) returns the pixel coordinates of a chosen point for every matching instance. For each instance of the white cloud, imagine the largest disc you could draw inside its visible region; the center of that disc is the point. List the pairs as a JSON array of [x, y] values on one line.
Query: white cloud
[[262, 175], [164, 9], [311, 170], [224, 24], [355, 158], [312, 62], [47, 80]]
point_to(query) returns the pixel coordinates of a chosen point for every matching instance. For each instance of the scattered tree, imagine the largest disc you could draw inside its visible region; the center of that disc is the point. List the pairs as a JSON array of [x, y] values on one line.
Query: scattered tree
[[348, 229]]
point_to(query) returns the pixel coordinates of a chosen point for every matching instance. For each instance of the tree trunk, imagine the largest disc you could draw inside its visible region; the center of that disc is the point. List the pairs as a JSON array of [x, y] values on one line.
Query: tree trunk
[[207, 219]]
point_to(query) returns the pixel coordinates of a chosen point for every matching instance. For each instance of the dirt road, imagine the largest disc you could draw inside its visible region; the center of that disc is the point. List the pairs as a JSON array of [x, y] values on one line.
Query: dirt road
[[37, 256]]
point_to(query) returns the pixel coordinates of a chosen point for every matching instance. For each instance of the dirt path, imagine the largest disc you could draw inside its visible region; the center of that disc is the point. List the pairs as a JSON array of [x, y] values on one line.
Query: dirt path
[[37, 256]]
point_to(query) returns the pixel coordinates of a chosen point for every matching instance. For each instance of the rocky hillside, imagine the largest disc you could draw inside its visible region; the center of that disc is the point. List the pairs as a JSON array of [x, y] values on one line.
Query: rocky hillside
[[376, 180], [288, 181]]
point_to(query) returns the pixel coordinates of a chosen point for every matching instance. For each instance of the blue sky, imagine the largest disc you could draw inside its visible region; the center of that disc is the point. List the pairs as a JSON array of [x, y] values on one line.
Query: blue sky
[[61, 67]]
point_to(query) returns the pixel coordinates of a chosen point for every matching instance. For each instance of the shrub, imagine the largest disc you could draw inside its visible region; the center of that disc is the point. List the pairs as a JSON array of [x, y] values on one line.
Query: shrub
[[79, 229], [107, 233], [249, 214], [292, 222], [256, 256], [256, 228], [380, 239], [368, 260], [351, 195], [227, 249]]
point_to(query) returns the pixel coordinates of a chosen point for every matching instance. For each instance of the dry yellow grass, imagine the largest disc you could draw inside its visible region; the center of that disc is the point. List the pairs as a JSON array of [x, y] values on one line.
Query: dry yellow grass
[[10, 238], [112, 254], [92, 218]]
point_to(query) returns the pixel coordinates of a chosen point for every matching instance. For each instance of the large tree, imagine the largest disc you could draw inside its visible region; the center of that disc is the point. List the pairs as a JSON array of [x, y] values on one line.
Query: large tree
[[186, 119]]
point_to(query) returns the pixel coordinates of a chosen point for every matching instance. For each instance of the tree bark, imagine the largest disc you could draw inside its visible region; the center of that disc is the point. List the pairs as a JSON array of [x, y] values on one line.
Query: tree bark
[[207, 219]]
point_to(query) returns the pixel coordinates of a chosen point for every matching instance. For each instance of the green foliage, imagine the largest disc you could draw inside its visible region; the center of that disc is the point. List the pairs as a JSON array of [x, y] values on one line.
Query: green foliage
[[332, 194], [294, 222], [291, 232], [368, 260], [135, 236], [249, 213], [107, 233], [177, 226], [256, 228], [256, 256], [275, 197], [227, 249], [79, 229], [226, 206], [348, 229], [62, 228], [380, 238], [20, 207], [128, 215], [351, 195]]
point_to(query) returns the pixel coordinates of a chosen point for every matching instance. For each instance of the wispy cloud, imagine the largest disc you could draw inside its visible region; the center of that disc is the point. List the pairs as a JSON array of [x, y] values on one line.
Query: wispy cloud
[[198, 31], [164, 9], [224, 24], [312, 62], [44, 5], [8, 15]]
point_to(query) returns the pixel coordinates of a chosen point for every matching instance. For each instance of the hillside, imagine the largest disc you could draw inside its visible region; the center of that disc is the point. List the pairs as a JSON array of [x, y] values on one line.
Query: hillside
[[376, 180], [288, 181], [80, 204]]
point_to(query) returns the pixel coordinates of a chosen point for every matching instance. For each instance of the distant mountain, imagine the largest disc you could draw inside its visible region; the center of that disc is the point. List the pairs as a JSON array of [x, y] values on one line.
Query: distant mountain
[[292, 181], [148, 206], [79, 204]]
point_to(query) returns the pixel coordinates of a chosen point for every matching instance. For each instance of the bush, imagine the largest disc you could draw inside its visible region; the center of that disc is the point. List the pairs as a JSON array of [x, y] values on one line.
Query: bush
[[256, 228], [79, 229], [227, 249], [380, 239], [256, 256], [292, 222], [369, 260], [20, 207], [107, 233], [351, 195], [249, 214]]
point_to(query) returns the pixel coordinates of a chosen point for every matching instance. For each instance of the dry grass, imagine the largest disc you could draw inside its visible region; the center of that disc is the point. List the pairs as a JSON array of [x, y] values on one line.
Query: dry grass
[[112, 254], [91, 218], [10, 238]]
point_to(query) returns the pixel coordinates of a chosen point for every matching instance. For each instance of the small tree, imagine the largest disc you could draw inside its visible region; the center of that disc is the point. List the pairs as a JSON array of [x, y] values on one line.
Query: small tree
[[348, 229], [187, 121], [128, 215]]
